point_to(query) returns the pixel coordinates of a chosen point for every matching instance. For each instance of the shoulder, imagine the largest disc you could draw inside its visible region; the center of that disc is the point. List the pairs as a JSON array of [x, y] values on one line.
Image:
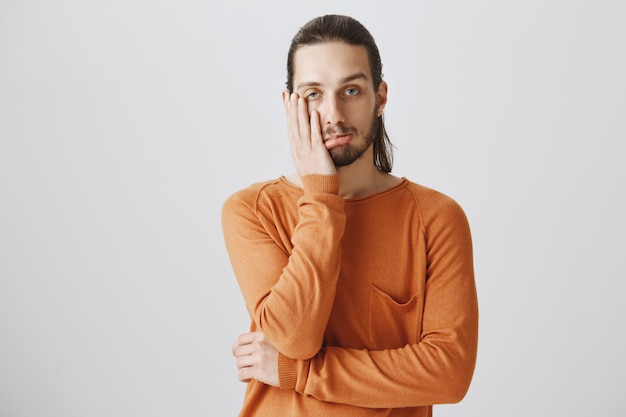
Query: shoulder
[[435, 206], [240, 209], [251, 194], [259, 197]]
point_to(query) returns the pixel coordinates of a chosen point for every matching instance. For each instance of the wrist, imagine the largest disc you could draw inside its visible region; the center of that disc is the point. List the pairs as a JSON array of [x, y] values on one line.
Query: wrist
[[321, 183], [287, 372]]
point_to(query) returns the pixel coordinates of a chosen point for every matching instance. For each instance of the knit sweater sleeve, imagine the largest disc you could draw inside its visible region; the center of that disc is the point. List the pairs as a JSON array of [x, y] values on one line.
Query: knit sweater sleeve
[[288, 282], [438, 368]]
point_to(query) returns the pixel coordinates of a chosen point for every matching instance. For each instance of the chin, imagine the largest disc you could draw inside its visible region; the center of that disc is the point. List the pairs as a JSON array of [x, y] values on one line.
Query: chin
[[344, 160], [345, 155]]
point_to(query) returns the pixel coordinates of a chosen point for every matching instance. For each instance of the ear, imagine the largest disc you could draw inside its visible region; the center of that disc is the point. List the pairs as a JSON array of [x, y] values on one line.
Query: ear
[[381, 98], [285, 96]]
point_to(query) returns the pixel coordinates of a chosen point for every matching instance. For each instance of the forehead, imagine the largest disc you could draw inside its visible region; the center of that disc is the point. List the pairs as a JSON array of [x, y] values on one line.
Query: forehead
[[329, 62]]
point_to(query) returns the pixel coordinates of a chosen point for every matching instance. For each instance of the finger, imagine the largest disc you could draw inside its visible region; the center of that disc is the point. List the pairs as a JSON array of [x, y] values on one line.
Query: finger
[[245, 374], [304, 122], [293, 126], [316, 129], [245, 350], [244, 339], [245, 361]]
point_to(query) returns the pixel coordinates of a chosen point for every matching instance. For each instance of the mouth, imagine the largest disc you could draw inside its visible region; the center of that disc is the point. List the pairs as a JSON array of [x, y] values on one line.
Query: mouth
[[337, 140], [333, 137]]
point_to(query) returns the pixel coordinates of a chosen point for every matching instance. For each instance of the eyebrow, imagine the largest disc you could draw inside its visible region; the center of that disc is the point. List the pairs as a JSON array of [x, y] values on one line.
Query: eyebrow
[[358, 75]]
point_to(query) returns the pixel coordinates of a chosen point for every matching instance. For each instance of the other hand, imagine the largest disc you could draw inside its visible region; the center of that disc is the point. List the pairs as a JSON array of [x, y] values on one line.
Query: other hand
[[256, 358]]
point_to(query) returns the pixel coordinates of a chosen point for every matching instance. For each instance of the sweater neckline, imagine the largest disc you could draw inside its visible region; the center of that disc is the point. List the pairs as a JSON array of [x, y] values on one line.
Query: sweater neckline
[[401, 184]]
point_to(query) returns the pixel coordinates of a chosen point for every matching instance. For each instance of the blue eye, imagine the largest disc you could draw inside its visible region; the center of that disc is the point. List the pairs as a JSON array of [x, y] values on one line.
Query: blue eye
[[352, 92], [313, 95]]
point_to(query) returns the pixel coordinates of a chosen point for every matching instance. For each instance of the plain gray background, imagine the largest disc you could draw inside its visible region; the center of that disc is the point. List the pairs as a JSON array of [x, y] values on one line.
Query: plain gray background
[[125, 124]]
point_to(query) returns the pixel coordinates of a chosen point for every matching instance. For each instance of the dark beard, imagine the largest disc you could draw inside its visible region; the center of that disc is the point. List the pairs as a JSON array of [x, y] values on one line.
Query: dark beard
[[346, 154]]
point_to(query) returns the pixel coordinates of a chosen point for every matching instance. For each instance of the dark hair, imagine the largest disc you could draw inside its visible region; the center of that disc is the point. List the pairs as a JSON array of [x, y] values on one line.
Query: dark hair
[[336, 28]]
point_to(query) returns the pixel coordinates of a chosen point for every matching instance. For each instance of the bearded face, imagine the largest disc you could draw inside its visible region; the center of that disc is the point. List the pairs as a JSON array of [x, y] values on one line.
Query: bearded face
[[346, 154]]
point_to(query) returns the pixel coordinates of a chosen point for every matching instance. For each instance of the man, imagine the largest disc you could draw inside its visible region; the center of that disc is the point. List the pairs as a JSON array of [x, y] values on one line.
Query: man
[[359, 284]]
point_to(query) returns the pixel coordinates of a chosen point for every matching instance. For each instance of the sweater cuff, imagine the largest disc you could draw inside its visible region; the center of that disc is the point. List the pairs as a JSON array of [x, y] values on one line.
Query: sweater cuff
[[321, 183], [287, 372]]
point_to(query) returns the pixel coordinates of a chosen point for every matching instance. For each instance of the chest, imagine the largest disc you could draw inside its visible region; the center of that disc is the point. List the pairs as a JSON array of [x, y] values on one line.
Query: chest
[[380, 290]]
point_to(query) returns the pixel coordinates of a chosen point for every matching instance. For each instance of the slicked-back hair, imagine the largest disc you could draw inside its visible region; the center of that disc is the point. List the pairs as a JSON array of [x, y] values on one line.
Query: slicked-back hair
[[337, 28]]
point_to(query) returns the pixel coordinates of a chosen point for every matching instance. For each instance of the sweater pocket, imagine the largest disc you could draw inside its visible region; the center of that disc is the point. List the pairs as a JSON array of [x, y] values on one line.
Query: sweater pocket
[[393, 324]]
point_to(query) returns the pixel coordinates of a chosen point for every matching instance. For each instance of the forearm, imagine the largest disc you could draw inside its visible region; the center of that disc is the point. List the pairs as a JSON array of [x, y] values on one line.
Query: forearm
[[288, 282], [426, 373]]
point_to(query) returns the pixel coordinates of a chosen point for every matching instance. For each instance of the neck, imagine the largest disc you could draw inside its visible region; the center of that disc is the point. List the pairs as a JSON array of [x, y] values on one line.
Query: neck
[[362, 177]]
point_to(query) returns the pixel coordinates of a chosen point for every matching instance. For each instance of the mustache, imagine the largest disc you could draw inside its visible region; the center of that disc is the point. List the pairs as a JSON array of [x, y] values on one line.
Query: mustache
[[339, 131]]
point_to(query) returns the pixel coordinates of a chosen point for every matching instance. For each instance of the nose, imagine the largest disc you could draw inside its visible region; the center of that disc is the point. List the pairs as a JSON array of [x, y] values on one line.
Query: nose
[[331, 111]]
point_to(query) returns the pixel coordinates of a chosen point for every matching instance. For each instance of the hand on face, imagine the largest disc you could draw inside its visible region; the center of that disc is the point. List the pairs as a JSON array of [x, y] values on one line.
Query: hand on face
[[256, 358], [307, 142]]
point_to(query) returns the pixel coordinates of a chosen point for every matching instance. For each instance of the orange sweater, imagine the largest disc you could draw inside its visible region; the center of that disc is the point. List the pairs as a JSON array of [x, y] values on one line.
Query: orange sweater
[[370, 301]]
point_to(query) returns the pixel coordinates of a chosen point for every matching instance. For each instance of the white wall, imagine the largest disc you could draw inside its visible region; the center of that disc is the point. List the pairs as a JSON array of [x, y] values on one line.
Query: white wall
[[125, 124]]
